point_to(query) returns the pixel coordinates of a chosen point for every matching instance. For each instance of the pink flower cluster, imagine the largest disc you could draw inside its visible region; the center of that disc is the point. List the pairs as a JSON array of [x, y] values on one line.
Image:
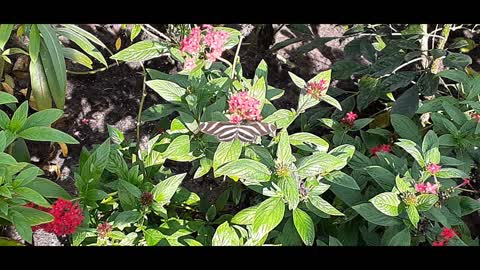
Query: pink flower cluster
[[445, 235], [191, 44], [317, 89], [433, 168], [380, 148], [350, 118], [213, 40], [243, 107], [427, 188]]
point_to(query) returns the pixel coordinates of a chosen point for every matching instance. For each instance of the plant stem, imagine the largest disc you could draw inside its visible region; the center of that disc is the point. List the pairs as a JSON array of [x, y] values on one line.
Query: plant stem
[[424, 46], [235, 57], [140, 108], [441, 45], [158, 32], [91, 71]]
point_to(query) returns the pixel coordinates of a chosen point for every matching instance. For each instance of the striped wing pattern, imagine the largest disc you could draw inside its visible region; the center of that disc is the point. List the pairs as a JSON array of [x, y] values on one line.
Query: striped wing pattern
[[225, 131]]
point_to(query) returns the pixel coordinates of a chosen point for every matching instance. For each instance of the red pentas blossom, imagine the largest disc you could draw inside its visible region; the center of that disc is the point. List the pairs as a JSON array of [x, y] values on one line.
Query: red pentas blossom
[[445, 235], [191, 44], [349, 118], [243, 107], [433, 168], [381, 148], [476, 117], [67, 216], [317, 89]]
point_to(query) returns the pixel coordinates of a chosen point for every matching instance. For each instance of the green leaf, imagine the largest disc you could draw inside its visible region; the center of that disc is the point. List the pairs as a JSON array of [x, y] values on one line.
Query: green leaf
[[426, 201], [457, 60], [332, 101], [5, 31], [454, 75], [49, 189], [245, 216], [318, 163], [40, 89], [27, 176], [258, 91], [430, 141], [308, 142], [96, 162], [407, 103], [178, 148], [403, 185], [141, 51], [86, 34], [398, 80], [55, 55], [77, 57], [324, 206], [468, 205], [225, 236], [368, 91], [245, 169], [342, 179], [412, 149], [386, 203], [6, 98], [268, 215], [204, 168], [451, 173], [158, 111], [413, 215], [43, 118], [282, 118], [260, 154], [115, 135], [46, 134], [455, 113], [284, 152], [32, 215], [165, 190], [289, 187], [405, 127], [371, 214], [136, 29], [226, 152], [299, 82], [22, 225], [402, 238], [124, 219], [19, 117], [304, 225], [128, 194], [345, 68], [169, 91], [31, 196], [384, 178]]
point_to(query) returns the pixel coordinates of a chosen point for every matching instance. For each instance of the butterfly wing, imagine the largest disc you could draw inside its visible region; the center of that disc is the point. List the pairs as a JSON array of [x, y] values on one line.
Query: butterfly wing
[[224, 131]]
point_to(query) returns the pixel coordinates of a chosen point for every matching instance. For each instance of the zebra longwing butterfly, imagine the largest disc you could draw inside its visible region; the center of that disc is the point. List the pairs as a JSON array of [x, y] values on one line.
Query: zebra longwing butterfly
[[226, 132]]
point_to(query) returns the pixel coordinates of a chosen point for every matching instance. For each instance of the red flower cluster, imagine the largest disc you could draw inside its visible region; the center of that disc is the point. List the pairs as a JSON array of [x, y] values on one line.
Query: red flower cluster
[[243, 107], [214, 40], [427, 188], [380, 148], [146, 199], [476, 116], [67, 216], [350, 118], [446, 235], [104, 229], [433, 168], [317, 89]]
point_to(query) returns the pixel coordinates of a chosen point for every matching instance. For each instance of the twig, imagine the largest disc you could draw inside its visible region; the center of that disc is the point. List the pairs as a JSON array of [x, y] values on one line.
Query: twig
[[235, 57], [278, 29], [158, 32], [402, 66]]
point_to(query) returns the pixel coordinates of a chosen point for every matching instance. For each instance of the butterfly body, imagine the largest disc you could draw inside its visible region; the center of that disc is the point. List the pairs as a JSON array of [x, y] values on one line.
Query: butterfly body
[[226, 132]]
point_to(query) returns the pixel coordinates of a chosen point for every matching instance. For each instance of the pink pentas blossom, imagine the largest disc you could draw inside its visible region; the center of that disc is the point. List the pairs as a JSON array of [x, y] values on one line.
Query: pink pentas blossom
[[215, 40], [433, 168], [189, 64], [420, 187], [243, 107], [431, 188], [349, 118], [448, 233], [317, 89], [380, 148], [191, 44], [439, 243]]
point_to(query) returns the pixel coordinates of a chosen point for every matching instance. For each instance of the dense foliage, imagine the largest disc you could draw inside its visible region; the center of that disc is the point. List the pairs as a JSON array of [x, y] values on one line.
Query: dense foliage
[[390, 161]]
